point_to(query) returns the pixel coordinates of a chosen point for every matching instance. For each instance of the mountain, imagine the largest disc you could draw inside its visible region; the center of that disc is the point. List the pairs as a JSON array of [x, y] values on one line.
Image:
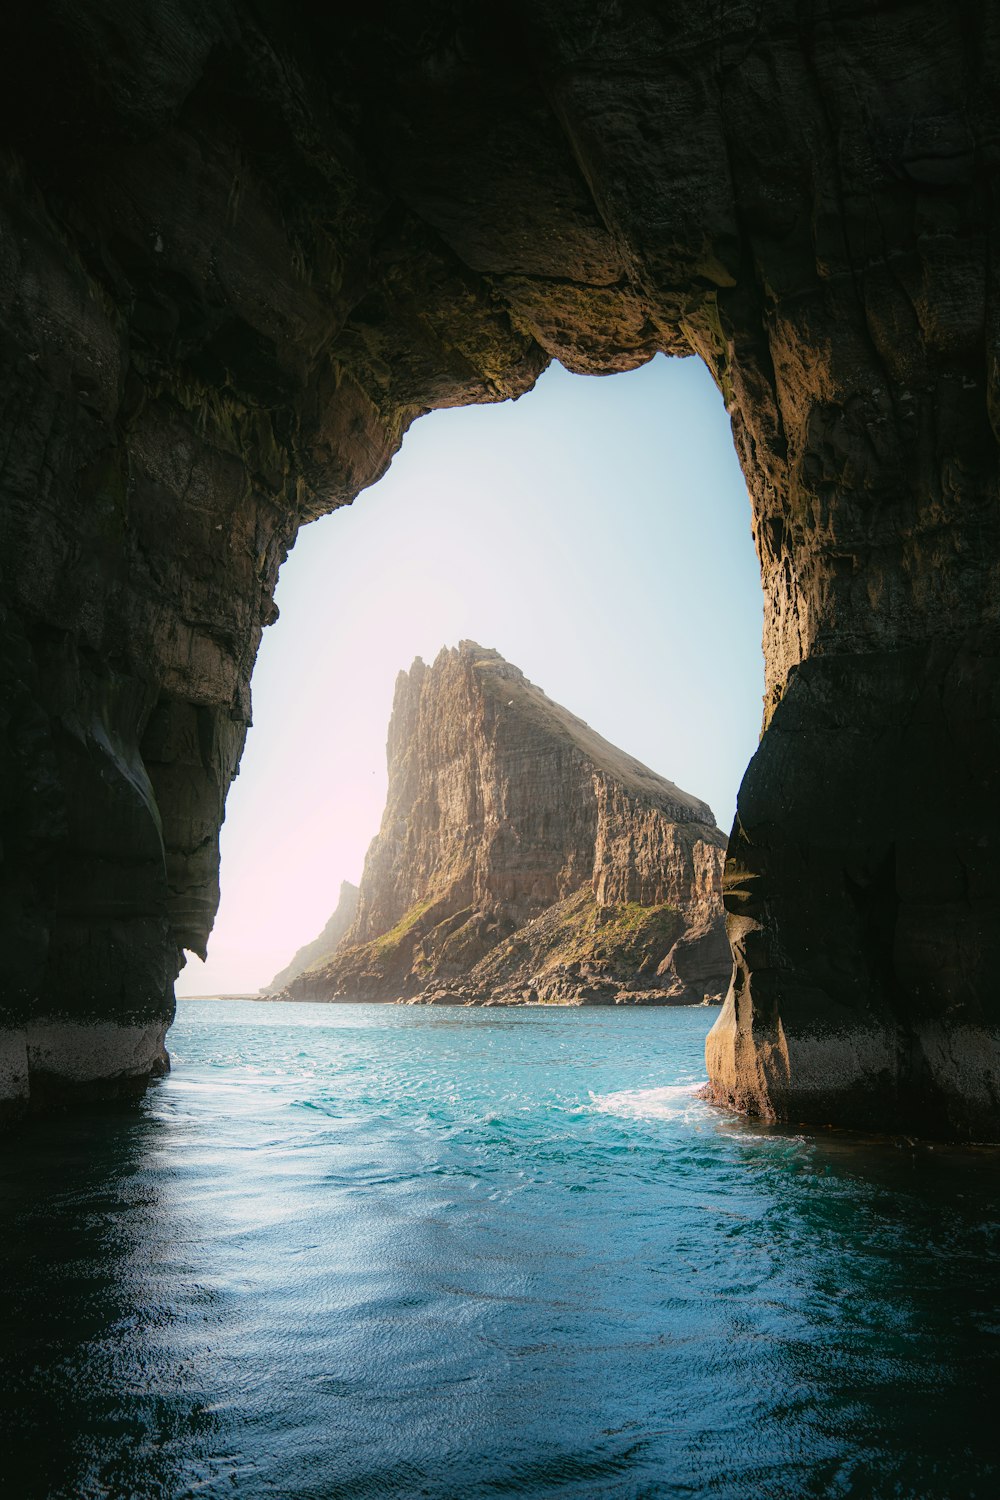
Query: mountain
[[523, 857], [323, 946]]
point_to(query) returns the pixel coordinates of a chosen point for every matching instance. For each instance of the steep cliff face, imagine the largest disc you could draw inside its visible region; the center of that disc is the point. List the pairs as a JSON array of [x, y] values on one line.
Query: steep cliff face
[[243, 247], [521, 857], [322, 946]]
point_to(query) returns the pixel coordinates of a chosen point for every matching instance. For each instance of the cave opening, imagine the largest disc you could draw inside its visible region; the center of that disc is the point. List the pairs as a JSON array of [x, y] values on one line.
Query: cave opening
[[596, 531]]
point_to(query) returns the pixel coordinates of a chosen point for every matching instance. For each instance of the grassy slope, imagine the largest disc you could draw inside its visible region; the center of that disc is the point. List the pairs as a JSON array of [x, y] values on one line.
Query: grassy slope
[[622, 943]]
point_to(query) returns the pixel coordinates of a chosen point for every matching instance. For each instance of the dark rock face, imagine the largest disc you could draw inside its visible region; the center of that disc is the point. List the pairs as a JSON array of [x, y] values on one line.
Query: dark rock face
[[241, 249], [877, 1010], [522, 857], [323, 946]]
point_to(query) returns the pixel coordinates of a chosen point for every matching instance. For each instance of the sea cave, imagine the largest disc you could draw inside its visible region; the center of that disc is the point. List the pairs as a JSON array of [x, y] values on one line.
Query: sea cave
[[244, 249]]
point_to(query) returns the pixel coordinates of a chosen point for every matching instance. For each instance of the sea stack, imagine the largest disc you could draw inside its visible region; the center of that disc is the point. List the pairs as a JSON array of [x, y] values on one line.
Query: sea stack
[[522, 858]]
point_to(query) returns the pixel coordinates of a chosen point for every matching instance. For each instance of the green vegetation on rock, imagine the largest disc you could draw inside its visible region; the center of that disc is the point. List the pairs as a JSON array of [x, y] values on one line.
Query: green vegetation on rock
[[627, 934], [392, 939], [616, 944]]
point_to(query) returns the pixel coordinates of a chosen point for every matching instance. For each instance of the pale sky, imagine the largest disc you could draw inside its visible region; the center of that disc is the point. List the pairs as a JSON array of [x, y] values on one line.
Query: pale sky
[[596, 532]]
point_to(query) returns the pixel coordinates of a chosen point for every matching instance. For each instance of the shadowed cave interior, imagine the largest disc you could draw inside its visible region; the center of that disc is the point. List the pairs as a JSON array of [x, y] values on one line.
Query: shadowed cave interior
[[243, 250]]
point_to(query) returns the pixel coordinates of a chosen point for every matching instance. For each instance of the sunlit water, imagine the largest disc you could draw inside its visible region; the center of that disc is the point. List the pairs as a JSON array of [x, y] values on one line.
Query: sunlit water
[[391, 1251]]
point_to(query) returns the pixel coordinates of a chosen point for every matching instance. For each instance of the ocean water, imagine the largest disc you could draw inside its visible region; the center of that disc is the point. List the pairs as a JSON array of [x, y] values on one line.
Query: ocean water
[[360, 1251]]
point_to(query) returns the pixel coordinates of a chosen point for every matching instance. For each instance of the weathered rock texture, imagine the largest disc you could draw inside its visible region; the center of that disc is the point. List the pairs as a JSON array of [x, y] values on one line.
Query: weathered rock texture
[[242, 247], [522, 857], [323, 946]]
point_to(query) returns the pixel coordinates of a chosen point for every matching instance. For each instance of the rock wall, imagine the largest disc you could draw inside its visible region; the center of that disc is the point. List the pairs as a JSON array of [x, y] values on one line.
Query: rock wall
[[521, 856], [241, 249]]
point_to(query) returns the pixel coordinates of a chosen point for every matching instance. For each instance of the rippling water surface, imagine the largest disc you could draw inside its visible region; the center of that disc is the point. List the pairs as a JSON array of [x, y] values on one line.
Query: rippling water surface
[[378, 1251]]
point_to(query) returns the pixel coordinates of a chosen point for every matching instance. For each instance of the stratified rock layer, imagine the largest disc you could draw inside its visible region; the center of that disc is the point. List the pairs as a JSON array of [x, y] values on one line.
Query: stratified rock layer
[[243, 247], [522, 857], [323, 946]]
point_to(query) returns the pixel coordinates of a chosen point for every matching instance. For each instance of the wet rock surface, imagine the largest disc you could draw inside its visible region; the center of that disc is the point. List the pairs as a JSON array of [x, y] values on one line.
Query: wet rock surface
[[522, 857], [242, 249]]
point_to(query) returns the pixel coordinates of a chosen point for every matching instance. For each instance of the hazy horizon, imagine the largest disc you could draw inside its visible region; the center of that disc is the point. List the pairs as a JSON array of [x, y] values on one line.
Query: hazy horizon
[[596, 533]]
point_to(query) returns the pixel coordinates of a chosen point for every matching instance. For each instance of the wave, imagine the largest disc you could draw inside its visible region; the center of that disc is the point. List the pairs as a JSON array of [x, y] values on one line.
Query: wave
[[672, 1102]]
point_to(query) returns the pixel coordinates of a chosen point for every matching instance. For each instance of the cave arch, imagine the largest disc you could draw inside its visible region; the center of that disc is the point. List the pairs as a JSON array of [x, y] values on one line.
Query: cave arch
[[242, 252]]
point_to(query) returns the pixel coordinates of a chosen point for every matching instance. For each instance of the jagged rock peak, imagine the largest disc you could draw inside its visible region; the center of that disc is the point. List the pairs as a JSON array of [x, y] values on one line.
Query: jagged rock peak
[[493, 669], [521, 855], [323, 946]]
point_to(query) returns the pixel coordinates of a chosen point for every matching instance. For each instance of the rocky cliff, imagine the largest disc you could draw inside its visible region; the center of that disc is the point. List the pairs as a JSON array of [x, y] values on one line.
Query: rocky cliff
[[523, 857], [322, 946], [243, 247]]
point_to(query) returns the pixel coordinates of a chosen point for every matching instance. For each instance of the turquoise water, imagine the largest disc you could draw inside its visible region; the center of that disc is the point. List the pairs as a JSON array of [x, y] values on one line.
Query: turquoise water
[[355, 1251]]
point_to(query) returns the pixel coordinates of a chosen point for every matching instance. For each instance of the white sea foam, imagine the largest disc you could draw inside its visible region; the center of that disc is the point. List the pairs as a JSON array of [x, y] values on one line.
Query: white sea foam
[[675, 1101]]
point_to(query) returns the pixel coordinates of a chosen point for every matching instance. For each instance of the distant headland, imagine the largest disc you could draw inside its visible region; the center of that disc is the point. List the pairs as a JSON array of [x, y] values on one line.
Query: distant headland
[[521, 858]]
